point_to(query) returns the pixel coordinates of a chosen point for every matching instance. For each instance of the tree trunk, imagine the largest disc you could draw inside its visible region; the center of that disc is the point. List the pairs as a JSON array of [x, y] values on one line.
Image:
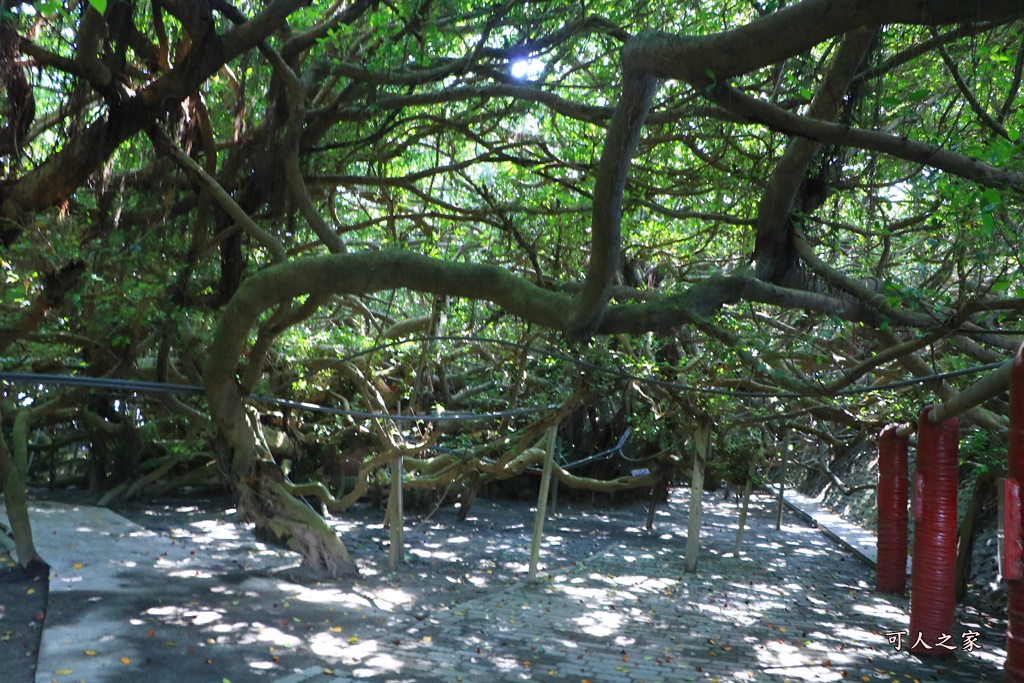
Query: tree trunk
[[288, 520], [14, 472], [984, 490], [259, 484]]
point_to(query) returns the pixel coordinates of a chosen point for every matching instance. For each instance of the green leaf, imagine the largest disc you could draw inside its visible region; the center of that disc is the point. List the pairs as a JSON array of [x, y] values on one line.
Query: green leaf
[[49, 8], [988, 225], [99, 5]]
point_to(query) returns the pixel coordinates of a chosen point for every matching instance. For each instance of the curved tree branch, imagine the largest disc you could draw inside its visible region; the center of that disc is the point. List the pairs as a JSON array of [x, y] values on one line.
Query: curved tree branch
[[773, 250], [164, 144], [966, 91], [62, 173], [765, 113], [774, 37], [606, 222]]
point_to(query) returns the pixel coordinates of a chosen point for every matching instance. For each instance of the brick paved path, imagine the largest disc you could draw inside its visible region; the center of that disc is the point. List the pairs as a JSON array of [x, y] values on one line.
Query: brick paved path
[[793, 607]]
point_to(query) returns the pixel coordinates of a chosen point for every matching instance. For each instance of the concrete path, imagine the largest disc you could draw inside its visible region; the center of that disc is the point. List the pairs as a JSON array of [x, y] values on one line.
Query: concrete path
[[859, 541], [207, 604]]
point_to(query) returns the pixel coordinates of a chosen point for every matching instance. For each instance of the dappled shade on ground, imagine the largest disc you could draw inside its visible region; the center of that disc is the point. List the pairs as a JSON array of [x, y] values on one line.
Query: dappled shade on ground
[[194, 595]]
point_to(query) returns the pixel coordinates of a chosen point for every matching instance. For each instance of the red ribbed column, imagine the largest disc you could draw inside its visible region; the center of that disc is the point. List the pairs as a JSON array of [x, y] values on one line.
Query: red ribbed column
[[892, 512], [933, 574], [1015, 470]]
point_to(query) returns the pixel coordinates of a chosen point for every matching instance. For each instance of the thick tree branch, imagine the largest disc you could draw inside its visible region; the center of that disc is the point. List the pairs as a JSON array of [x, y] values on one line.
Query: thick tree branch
[[758, 111], [916, 366], [773, 250], [606, 223], [163, 143], [968, 94], [90, 32], [790, 31], [61, 174]]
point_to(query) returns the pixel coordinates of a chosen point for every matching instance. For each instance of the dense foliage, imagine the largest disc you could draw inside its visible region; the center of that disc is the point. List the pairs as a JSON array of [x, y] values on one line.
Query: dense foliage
[[765, 216]]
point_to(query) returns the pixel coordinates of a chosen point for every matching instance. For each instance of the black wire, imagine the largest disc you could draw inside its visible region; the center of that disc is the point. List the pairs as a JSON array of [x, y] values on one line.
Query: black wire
[[101, 383], [447, 416], [670, 384], [138, 386]]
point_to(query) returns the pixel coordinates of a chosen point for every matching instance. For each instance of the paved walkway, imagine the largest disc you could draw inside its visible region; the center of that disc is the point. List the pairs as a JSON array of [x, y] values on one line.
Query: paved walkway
[[127, 604], [858, 540], [792, 607]]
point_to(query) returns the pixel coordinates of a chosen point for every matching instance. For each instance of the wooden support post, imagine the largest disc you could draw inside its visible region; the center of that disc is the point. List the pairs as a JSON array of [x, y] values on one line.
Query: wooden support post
[[396, 517], [933, 574], [891, 502], [746, 504], [554, 497], [703, 442], [653, 508], [1012, 531], [782, 481], [542, 502]]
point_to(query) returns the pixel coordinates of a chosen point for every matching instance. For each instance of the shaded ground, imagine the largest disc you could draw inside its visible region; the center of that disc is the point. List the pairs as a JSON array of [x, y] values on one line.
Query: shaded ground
[[22, 610], [192, 597], [448, 562]]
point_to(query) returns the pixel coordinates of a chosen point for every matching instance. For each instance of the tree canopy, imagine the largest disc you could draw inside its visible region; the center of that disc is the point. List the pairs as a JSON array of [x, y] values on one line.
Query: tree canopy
[[763, 215]]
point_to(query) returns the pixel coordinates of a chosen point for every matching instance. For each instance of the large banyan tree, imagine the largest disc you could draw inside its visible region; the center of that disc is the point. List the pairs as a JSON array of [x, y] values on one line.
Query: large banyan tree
[[811, 193]]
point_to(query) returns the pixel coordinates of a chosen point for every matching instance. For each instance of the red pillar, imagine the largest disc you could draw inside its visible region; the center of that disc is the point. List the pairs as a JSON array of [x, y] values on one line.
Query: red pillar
[[892, 512], [1015, 470], [933, 575]]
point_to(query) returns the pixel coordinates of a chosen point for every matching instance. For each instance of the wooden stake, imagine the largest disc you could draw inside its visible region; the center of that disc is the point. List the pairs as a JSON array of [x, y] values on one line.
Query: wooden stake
[[542, 502], [554, 498], [703, 443], [396, 517], [743, 511], [653, 509], [782, 480]]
